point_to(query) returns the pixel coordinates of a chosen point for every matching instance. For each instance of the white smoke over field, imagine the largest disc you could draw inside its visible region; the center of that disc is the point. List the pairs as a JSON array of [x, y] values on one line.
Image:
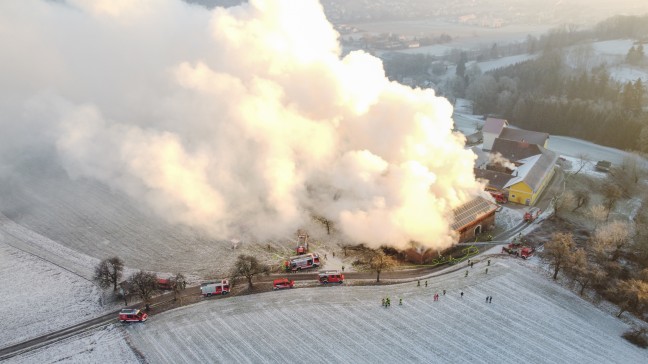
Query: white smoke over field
[[238, 121]]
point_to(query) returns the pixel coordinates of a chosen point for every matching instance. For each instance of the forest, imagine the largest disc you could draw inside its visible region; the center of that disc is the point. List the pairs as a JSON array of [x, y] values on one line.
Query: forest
[[563, 90]]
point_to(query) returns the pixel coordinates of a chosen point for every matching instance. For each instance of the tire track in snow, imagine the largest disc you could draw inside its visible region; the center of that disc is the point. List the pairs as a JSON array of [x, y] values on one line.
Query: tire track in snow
[[261, 326], [307, 338], [384, 331], [260, 346], [250, 350], [23, 239], [341, 340]]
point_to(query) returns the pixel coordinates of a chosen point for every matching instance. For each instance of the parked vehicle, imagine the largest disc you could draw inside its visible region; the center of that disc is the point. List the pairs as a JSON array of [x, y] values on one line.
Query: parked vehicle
[[299, 262], [603, 166], [331, 276], [302, 243], [519, 250], [282, 283], [164, 284], [531, 215], [132, 315], [499, 197], [215, 288]]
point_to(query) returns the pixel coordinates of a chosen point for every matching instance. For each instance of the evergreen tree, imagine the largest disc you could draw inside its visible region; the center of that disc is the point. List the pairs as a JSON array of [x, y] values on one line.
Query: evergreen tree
[[461, 65]]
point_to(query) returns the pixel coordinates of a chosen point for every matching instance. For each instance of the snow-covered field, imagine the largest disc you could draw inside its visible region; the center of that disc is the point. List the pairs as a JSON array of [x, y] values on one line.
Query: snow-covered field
[[530, 320], [617, 47], [40, 297], [625, 73], [582, 166], [545, 322], [92, 220], [573, 147], [106, 345], [494, 64]]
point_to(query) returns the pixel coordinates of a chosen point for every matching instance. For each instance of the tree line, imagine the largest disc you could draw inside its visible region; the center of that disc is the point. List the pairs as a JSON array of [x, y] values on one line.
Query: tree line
[[109, 273], [609, 255], [545, 94]]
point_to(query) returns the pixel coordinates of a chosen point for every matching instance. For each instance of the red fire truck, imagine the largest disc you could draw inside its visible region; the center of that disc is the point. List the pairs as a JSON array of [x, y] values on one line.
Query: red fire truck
[[302, 244], [215, 288], [164, 284], [532, 214], [282, 283], [519, 250], [331, 276], [499, 197], [132, 315], [304, 261]]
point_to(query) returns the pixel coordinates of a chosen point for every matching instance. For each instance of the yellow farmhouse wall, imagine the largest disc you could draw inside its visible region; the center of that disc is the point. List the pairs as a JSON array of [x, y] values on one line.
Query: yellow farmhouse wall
[[521, 192]]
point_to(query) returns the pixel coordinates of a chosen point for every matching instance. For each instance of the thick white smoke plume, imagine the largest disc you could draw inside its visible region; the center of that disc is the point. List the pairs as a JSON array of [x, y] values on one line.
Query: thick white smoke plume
[[242, 121]]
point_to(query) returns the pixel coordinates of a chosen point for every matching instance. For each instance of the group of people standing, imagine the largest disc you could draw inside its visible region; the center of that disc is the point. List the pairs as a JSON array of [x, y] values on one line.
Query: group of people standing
[[386, 302]]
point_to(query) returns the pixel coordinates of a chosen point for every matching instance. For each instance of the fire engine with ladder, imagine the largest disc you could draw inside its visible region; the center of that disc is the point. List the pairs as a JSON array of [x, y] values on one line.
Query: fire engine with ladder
[[302, 242]]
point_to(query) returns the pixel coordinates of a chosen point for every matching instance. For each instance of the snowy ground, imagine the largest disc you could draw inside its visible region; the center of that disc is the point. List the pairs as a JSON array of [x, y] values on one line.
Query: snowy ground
[[574, 165], [531, 320], [625, 73], [617, 47], [38, 199], [39, 297], [348, 324], [494, 64], [106, 345]]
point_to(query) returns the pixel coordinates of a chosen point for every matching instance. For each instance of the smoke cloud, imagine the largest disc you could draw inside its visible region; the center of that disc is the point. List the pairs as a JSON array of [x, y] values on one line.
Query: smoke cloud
[[242, 121], [497, 158]]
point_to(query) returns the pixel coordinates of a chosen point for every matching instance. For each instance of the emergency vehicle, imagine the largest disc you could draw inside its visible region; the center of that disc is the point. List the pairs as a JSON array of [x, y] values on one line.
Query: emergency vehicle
[[132, 315], [499, 196], [164, 284], [282, 283], [302, 244], [304, 261], [331, 276], [215, 288]]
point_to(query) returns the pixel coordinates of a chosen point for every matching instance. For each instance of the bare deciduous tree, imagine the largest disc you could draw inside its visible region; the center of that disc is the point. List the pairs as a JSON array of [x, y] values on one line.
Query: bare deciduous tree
[[109, 272], [598, 214], [557, 252], [583, 160], [143, 284], [581, 199], [582, 271], [632, 295], [628, 174], [611, 195], [611, 238], [178, 284], [378, 261], [249, 267], [324, 221], [563, 201]]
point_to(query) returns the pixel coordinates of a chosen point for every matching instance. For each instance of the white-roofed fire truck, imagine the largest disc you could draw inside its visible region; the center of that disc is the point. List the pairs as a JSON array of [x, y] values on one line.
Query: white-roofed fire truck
[[304, 261], [215, 288], [132, 315]]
